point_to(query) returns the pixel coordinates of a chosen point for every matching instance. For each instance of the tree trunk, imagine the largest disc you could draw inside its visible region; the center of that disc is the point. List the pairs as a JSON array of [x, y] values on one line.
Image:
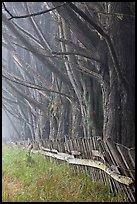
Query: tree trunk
[[119, 102]]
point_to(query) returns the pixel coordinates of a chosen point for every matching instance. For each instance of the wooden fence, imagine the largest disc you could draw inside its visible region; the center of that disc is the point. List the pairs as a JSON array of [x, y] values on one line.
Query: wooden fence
[[105, 161]]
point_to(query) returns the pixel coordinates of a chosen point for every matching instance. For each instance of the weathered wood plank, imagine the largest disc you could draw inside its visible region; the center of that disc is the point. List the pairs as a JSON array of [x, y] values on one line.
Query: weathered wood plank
[[75, 167], [105, 153], [131, 153], [49, 150], [100, 165], [68, 150], [96, 164], [84, 154], [129, 195], [97, 153], [126, 160], [116, 157], [87, 148], [107, 160], [79, 145], [92, 170], [96, 147]]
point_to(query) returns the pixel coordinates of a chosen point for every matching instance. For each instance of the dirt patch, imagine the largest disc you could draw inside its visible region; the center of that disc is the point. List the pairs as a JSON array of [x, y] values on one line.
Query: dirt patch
[[11, 187]]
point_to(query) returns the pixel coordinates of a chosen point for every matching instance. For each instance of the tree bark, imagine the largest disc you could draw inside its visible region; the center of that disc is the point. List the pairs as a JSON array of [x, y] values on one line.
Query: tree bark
[[119, 102]]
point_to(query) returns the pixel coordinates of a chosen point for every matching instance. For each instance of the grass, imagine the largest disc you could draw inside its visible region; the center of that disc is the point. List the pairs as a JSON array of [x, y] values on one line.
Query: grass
[[38, 180]]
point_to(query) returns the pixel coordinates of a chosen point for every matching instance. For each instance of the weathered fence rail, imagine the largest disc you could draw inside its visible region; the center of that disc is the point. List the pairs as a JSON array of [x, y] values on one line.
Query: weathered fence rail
[[105, 161]]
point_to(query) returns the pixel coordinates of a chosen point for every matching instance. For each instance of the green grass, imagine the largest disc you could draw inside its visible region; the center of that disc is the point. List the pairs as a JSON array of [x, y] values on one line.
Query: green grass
[[39, 180]]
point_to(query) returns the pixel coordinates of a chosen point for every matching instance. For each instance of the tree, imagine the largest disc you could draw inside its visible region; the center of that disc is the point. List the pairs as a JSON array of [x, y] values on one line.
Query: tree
[[90, 62], [116, 72]]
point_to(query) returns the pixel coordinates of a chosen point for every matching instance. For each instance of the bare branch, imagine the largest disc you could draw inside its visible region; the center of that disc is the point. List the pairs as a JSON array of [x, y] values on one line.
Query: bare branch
[[115, 14], [33, 86], [27, 33], [32, 14], [17, 117], [49, 65], [75, 53], [114, 57]]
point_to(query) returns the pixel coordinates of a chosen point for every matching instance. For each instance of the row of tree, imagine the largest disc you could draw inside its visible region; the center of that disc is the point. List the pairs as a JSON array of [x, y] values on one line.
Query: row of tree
[[69, 69]]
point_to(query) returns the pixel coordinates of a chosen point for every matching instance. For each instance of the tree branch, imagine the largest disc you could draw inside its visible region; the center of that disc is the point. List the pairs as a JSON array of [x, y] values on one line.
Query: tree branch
[[90, 72], [17, 117], [115, 14], [75, 53], [32, 14], [120, 76], [27, 33], [37, 87], [48, 64], [32, 51]]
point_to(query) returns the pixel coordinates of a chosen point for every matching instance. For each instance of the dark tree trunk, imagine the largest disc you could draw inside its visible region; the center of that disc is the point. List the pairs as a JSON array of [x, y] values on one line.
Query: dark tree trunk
[[119, 102]]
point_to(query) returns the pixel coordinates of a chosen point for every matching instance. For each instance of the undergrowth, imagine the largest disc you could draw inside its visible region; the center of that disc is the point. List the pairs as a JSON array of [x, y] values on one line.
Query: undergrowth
[[39, 180]]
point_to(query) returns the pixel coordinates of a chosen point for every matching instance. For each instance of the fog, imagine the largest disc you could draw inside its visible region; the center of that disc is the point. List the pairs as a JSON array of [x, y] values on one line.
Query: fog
[[7, 129]]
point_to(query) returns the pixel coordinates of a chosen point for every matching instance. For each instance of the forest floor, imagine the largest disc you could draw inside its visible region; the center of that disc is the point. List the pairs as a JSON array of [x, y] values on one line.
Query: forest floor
[[36, 179]]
